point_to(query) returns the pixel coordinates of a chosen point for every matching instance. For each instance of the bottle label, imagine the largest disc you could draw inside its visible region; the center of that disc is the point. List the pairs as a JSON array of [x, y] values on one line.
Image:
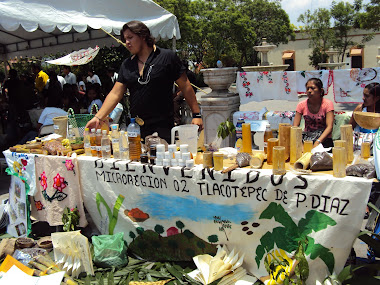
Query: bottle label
[[132, 134], [87, 145], [98, 148], [93, 147], [106, 148], [115, 141], [265, 144], [56, 127]]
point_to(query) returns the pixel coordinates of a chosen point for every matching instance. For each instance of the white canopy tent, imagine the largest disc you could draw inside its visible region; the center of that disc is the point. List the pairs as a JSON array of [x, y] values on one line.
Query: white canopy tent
[[38, 27]]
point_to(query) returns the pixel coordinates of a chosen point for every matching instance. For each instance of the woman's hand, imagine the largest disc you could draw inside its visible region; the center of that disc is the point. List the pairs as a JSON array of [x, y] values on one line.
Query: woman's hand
[[94, 123], [316, 143]]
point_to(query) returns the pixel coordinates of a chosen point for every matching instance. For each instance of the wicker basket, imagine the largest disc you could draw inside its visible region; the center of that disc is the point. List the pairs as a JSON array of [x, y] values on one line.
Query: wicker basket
[[79, 121]]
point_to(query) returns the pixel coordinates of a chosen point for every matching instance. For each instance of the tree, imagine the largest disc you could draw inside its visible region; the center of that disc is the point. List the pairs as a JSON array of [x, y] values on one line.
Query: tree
[[179, 225], [345, 17], [370, 18], [159, 229], [140, 231], [213, 238], [317, 27], [132, 235]]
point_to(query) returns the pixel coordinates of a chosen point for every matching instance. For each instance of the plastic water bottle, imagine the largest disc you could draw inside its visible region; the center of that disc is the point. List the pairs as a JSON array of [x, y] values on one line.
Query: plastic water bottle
[[94, 151], [134, 140], [86, 142], [106, 146], [99, 142], [124, 149], [115, 137], [71, 135]]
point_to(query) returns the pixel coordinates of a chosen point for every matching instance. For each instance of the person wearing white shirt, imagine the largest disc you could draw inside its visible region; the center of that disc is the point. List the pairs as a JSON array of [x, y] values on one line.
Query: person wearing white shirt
[[69, 76], [93, 78]]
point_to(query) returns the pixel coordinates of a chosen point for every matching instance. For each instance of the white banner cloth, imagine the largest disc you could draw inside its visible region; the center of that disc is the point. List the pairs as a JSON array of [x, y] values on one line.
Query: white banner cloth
[[23, 164], [249, 210], [303, 76], [266, 85], [349, 83], [80, 57]]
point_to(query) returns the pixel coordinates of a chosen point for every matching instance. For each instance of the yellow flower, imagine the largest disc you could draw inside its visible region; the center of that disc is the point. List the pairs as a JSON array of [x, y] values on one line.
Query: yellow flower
[[281, 256], [17, 167]]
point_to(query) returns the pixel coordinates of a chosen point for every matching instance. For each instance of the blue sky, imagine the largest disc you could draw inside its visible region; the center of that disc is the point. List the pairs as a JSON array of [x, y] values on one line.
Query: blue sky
[[294, 8]]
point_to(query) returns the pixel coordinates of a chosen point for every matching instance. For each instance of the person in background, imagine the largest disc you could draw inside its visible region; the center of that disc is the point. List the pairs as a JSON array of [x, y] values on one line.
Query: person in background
[[82, 84], [318, 113], [371, 103], [41, 77], [94, 96], [69, 76], [149, 74], [61, 80], [53, 93], [112, 78], [93, 78]]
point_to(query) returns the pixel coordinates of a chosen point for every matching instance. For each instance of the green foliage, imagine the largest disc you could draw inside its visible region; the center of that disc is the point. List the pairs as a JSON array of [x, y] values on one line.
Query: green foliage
[[70, 219], [132, 235], [289, 236], [159, 229], [112, 215], [370, 18], [213, 238], [227, 30], [332, 28], [180, 225], [225, 129]]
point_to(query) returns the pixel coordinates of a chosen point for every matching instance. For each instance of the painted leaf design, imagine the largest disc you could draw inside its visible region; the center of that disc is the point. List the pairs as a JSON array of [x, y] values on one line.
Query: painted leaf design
[[317, 250], [277, 212], [314, 221]]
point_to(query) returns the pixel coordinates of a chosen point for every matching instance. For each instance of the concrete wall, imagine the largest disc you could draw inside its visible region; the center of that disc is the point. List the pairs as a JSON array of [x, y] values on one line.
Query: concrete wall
[[302, 51]]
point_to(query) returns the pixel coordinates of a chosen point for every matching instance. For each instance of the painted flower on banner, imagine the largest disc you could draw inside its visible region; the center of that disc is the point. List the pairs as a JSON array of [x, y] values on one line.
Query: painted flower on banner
[[43, 180], [39, 205], [69, 165], [286, 82], [285, 266], [59, 182]]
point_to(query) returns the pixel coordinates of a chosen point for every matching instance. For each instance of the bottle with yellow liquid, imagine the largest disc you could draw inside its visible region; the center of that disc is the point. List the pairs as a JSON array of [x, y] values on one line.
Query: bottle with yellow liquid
[[134, 139], [267, 135], [239, 140]]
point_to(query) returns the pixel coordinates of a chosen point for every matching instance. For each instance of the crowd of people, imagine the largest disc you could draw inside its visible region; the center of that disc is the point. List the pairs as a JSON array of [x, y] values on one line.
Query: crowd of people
[[52, 92]]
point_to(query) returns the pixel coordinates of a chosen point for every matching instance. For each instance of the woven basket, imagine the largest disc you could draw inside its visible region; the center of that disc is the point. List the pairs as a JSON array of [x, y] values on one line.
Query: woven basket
[[79, 121]]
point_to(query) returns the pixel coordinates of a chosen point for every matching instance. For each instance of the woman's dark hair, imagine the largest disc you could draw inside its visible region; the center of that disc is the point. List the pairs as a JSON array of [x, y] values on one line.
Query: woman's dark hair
[[317, 83], [97, 88], [140, 29], [374, 89]]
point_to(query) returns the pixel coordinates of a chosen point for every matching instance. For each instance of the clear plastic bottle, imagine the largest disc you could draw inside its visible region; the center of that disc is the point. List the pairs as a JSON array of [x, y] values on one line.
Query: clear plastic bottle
[[71, 135], [124, 149], [106, 145], [94, 151], [115, 137], [99, 142], [267, 135], [134, 140], [86, 142]]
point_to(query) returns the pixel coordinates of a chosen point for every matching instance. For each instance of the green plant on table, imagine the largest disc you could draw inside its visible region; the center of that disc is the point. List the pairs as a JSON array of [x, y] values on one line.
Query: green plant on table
[[225, 129], [70, 219]]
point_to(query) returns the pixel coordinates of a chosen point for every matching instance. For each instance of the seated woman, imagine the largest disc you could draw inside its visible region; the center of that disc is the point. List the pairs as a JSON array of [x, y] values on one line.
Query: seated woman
[[94, 96], [371, 103], [318, 113]]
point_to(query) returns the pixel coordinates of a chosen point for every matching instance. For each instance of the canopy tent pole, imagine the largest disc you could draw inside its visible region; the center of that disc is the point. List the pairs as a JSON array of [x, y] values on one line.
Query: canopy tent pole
[[174, 43]]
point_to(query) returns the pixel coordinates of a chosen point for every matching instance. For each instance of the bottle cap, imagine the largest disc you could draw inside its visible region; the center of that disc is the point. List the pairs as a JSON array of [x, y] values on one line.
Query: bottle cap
[[114, 127], [70, 126], [104, 132], [92, 130], [86, 129], [133, 120], [98, 131]]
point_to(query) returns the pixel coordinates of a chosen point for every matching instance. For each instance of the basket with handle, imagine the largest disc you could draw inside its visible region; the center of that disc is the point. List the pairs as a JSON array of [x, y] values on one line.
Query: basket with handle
[[79, 121]]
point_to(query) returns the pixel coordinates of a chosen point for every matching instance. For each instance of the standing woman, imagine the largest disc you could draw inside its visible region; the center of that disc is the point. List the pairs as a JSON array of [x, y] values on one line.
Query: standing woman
[[318, 113], [149, 75]]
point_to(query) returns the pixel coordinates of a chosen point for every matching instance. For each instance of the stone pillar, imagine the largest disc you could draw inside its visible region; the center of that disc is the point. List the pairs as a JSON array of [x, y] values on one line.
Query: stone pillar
[[378, 56], [217, 107]]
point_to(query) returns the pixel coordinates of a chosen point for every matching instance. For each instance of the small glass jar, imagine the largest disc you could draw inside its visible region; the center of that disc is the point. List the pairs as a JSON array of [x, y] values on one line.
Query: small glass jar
[[160, 148], [190, 163], [207, 159], [218, 161]]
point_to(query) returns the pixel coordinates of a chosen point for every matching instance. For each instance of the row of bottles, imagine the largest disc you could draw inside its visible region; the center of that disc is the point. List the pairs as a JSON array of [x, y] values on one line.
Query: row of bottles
[[124, 145]]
